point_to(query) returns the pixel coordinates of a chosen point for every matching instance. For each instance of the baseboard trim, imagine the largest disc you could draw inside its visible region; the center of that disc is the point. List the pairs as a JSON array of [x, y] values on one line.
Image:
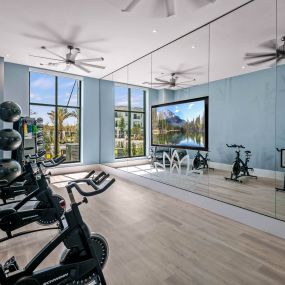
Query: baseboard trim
[[253, 219]]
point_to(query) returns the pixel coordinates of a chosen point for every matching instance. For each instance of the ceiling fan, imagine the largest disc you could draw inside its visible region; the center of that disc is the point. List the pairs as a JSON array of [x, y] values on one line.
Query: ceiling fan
[[277, 53], [168, 5], [173, 82], [70, 60]]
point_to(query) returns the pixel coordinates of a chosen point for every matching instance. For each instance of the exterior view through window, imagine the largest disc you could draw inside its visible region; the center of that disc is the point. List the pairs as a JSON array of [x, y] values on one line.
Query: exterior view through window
[[56, 100], [129, 122]]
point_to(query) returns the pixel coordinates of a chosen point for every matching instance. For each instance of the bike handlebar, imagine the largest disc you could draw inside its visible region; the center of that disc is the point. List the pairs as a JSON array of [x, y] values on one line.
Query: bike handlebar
[[235, 146], [98, 189], [53, 162]]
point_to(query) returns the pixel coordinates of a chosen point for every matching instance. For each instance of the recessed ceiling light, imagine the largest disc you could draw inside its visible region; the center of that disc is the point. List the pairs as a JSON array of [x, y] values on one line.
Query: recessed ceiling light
[[7, 55], [243, 67], [193, 46], [154, 31]]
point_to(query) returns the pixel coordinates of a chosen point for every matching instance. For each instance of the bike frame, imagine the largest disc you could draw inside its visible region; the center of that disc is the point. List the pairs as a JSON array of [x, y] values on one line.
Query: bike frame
[[61, 272]]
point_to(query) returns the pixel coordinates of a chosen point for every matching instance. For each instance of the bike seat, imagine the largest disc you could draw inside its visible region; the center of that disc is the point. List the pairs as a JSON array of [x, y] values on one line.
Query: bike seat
[[247, 151]]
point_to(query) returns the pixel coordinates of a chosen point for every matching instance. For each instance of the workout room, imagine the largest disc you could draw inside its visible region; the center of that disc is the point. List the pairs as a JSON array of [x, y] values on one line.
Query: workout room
[[142, 142]]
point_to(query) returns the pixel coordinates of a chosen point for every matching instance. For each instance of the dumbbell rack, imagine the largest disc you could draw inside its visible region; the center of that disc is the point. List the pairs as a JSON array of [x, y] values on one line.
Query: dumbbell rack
[[28, 129]]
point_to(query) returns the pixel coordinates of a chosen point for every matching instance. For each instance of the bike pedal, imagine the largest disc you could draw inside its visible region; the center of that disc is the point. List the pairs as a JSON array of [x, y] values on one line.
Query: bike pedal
[[11, 265]]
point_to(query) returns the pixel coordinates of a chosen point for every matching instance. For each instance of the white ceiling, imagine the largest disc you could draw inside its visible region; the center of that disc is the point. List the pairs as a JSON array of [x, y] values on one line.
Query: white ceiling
[[98, 27]]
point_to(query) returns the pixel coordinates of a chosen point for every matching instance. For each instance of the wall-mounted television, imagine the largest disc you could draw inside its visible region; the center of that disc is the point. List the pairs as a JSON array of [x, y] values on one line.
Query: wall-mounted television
[[182, 124]]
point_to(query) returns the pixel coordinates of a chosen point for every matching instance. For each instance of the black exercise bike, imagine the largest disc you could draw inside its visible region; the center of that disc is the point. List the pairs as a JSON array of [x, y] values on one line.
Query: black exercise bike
[[24, 184], [201, 162], [83, 259], [240, 168], [48, 208]]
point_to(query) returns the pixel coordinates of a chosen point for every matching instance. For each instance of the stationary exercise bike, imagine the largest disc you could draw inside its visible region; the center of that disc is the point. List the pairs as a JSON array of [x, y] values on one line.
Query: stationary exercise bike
[[81, 262], [24, 184], [48, 209], [200, 161], [240, 168]]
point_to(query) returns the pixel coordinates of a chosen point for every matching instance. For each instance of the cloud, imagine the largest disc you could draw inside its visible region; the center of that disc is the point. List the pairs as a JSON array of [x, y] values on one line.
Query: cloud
[[43, 83], [190, 105], [35, 97]]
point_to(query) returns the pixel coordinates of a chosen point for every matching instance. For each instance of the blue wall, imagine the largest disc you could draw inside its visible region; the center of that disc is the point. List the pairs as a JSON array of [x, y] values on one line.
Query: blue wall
[[107, 109], [17, 85], [90, 121], [241, 111]]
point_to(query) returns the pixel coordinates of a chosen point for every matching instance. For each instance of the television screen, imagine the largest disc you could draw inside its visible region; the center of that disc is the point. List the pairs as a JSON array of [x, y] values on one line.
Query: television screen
[[182, 124]]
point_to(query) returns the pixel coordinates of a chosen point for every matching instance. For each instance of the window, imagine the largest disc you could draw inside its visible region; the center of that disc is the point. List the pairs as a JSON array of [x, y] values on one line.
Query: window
[[129, 122], [56, 100]]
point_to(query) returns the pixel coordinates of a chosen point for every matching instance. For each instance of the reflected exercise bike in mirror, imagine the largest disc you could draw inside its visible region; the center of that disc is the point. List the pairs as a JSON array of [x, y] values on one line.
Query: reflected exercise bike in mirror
[[240, 168], [200, 162]]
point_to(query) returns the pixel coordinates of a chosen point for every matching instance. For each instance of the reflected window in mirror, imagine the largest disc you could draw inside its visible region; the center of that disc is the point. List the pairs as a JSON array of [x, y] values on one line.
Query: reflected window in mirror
[[129, 122]]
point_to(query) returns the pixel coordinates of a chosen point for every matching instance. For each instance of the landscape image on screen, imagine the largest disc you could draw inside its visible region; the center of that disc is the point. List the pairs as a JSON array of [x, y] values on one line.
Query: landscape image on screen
[[179, 124]]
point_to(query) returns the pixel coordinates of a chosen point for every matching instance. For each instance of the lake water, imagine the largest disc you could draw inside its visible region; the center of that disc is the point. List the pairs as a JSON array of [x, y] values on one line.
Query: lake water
[[179, 139]]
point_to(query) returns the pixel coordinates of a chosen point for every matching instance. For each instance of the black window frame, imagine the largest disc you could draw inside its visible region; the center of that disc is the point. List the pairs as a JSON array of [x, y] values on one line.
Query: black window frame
[[56, 106], [130, 112]]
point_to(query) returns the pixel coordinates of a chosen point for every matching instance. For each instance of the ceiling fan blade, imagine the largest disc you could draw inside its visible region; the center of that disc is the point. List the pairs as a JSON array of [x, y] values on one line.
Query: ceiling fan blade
[[259, 54], [131, 6], [154, 83], [90, 65], [160, 80], [53, 53], [45, 57], [261, 61], [55, 63], [90, 59], [52, 63], [170, 7], [271, 44], [82, 68]]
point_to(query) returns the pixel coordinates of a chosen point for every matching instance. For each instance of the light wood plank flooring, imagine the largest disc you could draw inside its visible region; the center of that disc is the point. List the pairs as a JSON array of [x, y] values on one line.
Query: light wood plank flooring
[[155, 239]]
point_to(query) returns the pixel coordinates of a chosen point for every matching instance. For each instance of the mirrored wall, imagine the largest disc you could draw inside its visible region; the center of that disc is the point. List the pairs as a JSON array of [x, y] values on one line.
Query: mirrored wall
[[205, 112]]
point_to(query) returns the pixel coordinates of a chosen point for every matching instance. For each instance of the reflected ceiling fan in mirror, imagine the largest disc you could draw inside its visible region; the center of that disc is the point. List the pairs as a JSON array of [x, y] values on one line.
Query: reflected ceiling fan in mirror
[[167, 6], [70, 60], [173, 82], [182, 72], [277, 53]]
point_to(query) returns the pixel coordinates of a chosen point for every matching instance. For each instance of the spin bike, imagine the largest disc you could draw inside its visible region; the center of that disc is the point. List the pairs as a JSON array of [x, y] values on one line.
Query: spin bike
[[201, 162], [48, 209], [83, 259], [24, 184], [240, 168]]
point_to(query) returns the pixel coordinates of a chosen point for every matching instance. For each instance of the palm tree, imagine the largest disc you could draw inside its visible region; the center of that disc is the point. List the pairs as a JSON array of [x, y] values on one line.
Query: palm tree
[[62, 115]]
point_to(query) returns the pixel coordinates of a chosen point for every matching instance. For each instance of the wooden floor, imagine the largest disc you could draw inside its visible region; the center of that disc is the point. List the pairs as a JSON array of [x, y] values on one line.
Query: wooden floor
[[155, 239], [256, 195]]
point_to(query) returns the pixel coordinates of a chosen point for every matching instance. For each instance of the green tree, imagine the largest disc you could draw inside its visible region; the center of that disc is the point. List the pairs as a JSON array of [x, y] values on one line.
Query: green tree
[[122, 125], [136, 130]]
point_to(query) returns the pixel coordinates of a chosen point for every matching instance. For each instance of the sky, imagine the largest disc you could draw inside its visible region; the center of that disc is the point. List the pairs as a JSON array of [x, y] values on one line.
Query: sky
[[121, 96], [42, 91], [186, 111]]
